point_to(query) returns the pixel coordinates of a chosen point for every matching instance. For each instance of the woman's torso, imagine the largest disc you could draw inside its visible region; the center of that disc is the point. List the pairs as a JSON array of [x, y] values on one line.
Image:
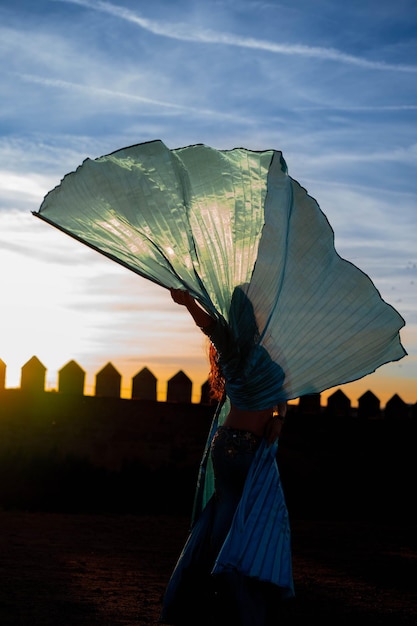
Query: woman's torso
[[252, 421]]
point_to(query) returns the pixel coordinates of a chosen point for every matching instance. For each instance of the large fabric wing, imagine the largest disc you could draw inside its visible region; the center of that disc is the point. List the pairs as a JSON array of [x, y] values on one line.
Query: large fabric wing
[[214, 221], [187, 218], [320, 317]]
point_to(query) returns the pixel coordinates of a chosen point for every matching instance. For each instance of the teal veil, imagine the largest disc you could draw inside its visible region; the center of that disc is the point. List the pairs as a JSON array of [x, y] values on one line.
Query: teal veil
[[211, 221]]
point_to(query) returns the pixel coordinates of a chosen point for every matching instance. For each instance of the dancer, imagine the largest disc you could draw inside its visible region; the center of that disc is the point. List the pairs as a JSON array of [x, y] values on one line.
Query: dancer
[[225, 566], [288, 317]]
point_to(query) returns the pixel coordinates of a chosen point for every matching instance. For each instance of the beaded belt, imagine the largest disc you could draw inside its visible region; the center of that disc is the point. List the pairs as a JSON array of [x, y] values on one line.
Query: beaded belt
[[235, 441]]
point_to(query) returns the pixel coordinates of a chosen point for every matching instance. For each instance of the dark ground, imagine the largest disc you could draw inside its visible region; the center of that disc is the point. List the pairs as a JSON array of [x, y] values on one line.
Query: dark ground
[[111, 570]]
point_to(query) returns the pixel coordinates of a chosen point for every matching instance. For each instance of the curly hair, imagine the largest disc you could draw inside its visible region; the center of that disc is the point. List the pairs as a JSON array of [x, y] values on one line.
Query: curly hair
[[215, 378]]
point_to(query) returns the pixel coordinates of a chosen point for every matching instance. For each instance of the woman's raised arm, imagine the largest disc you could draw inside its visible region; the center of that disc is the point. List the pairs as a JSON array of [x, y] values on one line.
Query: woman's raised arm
[[184, 298]]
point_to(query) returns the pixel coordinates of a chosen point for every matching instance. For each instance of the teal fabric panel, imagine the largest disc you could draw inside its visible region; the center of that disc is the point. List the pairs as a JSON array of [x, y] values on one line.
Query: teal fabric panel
[[215, 221], [259, 541], [320, 317], [188, 218], [253, 381], [225, 204]]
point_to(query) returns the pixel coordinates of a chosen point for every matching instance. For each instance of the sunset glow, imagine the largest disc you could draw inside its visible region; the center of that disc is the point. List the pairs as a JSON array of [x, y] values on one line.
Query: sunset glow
[[81, 79]]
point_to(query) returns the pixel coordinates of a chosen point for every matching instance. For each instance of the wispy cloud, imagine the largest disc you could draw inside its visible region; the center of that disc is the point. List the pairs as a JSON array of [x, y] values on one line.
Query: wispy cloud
[[405, 155], [184, 32], [109, 93], [82, 78], [360, 109], [26, 183], [71, 86]]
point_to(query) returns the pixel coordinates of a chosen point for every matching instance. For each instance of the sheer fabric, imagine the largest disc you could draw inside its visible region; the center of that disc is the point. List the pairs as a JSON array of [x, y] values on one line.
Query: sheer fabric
[[211, 221]]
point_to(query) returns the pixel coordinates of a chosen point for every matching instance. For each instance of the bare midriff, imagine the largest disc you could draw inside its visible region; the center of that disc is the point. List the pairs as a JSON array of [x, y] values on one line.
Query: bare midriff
[[253, 421]]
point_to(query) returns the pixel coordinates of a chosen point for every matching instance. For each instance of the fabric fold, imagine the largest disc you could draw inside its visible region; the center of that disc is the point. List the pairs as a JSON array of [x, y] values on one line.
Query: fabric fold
[[258, 544], [213, 221]]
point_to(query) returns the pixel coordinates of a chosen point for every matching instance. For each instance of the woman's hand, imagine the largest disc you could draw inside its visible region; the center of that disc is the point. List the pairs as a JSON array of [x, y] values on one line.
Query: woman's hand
[[181, 296], [273, 427], [272, 430]]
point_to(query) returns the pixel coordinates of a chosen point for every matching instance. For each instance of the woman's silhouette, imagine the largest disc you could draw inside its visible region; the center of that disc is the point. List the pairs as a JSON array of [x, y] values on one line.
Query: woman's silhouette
[[216, 567]]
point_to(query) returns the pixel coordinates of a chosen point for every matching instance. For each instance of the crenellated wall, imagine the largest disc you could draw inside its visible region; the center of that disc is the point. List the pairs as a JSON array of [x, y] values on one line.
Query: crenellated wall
[[71, 381]]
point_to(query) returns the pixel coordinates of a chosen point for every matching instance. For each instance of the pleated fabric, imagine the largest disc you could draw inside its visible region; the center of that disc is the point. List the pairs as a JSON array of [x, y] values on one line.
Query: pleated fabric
[[258, 544], [212, 221], [259, 540]]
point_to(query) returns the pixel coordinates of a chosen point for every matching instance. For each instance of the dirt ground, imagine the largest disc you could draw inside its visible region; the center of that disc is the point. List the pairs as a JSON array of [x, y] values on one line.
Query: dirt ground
[[110, 570]]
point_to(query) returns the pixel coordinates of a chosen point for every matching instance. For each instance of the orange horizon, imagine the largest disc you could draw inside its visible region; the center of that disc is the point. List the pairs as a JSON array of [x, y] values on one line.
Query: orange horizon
[[382, 386]]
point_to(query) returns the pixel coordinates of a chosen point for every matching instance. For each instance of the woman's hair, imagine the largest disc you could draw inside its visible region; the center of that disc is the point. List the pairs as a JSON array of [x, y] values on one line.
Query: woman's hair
[[215, 378]]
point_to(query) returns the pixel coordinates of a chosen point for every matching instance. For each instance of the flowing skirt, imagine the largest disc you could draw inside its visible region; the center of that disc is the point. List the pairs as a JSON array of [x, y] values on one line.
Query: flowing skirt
[[211, 573]]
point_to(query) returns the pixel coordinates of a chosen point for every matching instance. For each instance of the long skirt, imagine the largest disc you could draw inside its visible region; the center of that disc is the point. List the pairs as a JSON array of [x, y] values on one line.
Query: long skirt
[[195, 594]]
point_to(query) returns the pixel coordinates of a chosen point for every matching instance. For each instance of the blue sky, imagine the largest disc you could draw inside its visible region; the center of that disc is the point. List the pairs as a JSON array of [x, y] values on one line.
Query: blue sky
[[333, 85]]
